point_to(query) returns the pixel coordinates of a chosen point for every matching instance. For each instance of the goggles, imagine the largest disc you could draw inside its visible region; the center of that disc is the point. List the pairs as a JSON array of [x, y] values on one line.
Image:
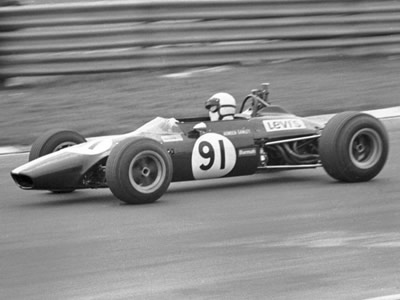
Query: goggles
[[212, 104], [213, 108]]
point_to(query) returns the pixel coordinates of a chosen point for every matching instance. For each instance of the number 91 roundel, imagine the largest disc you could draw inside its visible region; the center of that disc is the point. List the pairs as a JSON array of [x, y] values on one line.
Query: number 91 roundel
[[213, 156]]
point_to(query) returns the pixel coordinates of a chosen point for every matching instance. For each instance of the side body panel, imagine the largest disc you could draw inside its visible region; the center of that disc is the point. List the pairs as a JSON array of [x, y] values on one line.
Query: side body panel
[[275, 126], [223, 149]]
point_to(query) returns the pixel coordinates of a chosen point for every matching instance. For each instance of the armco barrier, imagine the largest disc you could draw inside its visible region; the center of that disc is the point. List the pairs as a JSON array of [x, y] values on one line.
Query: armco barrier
[[130, 35]]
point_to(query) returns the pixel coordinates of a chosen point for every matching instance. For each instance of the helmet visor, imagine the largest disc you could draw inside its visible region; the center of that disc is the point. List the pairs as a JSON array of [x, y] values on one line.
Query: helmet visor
[[212, 104]]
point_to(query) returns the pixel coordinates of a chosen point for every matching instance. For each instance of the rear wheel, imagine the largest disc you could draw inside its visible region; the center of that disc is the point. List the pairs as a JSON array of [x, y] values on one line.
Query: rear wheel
[[353, 147], [138, 171], [52, 141]]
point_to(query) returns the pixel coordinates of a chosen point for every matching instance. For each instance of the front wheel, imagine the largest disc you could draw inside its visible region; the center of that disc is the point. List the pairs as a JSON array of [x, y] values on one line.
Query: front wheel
[[138, 170], [353, 147]]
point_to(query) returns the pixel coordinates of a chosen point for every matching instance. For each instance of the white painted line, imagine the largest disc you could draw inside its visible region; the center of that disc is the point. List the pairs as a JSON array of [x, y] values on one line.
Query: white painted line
[[193, 72], [13, 154], [390, 297], [391, 112], [384, 113], [14, 149], [321, 118]]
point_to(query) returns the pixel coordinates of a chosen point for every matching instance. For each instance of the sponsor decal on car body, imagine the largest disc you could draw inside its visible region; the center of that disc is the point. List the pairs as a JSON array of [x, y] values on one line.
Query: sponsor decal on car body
[[283, 124], [171, 138], [237, 132], [247, 152]]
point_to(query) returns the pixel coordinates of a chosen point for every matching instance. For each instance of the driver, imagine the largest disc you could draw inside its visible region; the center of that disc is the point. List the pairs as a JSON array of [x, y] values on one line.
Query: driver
[[221, 106]]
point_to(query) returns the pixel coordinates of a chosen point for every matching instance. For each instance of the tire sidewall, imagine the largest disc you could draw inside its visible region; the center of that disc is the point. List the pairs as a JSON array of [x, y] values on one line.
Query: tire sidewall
[[118, 170], [51, 140], [337, 160], [344, 146]]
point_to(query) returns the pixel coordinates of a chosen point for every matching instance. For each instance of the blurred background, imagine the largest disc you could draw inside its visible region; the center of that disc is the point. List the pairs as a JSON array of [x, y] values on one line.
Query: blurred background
[[105, 67]]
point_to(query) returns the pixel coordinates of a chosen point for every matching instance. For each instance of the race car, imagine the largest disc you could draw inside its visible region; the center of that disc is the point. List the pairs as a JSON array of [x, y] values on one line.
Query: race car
[[139, 166]]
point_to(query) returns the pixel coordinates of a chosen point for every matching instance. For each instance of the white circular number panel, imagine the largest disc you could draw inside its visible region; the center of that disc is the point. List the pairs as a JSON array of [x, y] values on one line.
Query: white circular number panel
[[213, 156]]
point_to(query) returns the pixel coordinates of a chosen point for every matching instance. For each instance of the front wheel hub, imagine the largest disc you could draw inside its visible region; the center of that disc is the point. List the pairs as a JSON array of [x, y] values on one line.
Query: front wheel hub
[[146, 171]]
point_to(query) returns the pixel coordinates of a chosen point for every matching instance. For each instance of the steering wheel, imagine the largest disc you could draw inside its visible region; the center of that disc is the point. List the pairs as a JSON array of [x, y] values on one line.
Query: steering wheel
[[256, 103]]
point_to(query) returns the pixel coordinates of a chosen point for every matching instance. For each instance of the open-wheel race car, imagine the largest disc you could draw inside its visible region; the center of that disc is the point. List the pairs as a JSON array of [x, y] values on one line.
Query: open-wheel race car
[[139, 166]]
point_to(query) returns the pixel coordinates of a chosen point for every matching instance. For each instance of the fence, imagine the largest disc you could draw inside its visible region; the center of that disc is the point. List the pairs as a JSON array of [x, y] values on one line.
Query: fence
[[143, 34]]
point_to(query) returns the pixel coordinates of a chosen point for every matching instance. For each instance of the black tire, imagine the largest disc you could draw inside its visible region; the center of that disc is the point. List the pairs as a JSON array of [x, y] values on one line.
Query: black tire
[[138, 170], [353, 147], [54, 140]]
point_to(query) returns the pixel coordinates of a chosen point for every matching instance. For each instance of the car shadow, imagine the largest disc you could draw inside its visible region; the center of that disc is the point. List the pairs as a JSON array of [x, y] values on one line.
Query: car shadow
[[104, 197], [247, 181], [49, 199], [79, 198]]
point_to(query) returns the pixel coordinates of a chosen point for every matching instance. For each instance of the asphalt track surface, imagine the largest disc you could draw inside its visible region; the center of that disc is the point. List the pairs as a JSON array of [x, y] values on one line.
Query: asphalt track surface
[[284, 235]]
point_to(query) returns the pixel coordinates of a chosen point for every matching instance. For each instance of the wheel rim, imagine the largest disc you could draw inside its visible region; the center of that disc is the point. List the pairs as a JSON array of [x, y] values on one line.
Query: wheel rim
[[64, 145], [365, 148], [147, 171]]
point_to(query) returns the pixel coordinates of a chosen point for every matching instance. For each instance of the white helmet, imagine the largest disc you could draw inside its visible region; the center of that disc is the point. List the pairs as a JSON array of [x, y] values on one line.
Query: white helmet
[[221, 106]]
